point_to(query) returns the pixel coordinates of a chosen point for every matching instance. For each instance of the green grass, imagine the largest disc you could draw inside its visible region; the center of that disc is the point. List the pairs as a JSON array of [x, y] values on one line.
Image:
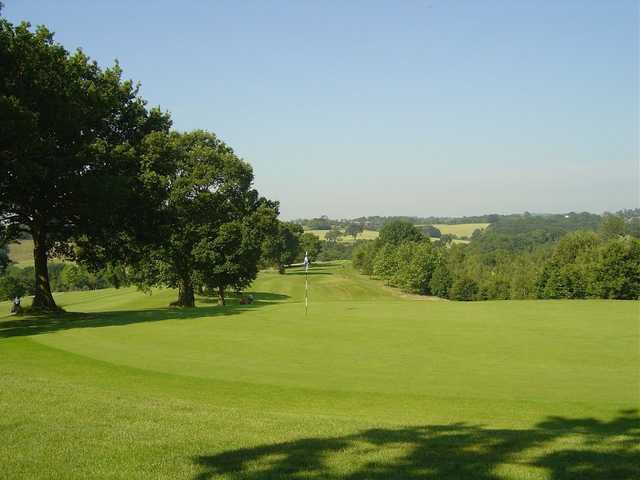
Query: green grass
[[368, 385]]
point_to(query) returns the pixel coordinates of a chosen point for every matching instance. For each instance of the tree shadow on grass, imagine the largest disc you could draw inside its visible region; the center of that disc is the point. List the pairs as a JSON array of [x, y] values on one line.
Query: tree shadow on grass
[[39, 324], [260, 298], [563, 448], [310, 273]]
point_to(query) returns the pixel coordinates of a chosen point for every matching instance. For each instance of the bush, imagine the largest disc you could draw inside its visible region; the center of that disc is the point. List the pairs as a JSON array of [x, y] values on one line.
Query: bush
[[363, 256], [385, 264], [617, 272], [10, 287], [441, 281], [335, 251], [464, 289], [417, 271], [431, 231], [495, 287]]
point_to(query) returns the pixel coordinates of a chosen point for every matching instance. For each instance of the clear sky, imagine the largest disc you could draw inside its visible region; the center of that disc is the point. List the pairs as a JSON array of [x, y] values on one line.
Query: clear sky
[[350, 108]]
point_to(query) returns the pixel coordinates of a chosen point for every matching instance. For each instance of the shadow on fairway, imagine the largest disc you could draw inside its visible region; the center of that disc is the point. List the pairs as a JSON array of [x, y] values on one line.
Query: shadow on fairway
[[310, 273], [35, 325], [260, 298], [585, 449]]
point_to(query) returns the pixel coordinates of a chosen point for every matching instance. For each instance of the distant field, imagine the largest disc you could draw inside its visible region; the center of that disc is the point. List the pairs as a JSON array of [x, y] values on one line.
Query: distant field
[[366, 235], [461, 230], [367, 385], [22, 253]]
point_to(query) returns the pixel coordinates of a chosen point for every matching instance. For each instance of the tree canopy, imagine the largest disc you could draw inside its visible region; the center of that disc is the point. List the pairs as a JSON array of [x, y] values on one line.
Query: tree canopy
[[211, 221], [399, 231], [69, 143], [282, 246]]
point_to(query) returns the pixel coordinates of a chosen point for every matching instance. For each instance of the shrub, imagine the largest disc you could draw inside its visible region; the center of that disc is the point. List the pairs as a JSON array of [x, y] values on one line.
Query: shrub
[[464, 289]]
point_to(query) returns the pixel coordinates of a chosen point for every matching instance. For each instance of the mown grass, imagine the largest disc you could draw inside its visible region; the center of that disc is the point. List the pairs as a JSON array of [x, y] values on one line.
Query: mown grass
[[367, 385]]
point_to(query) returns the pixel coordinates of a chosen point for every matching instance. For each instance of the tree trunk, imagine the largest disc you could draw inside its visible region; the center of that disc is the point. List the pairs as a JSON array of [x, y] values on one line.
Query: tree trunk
[[221, 296], [185, 294], [42, 300]]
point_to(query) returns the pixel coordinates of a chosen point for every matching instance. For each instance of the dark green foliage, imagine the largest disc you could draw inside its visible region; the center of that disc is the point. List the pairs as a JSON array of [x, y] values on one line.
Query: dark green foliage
[[496, 266], [464, 289], [570, 268], [311, 245], [441, 280], [417, 262], [335, 251], [281, 248], [333, 235], [495, 287], [617, 271], [4, 258], [399, 231], [363, 255], [431, 231], [446, 239], [385, 263], [612, 226], [322, 223], [551, 226], [11, 286], [632, 227], [63, 277], [68, 147], [211, 223], [353, 229]]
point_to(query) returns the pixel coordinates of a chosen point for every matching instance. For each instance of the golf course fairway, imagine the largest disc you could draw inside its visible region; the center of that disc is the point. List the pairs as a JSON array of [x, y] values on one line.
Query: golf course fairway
[[370, 384]]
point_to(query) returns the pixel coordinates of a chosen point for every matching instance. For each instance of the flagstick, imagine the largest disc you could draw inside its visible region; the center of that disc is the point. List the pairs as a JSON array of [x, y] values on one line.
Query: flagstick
[[306, 282], [306, 291]]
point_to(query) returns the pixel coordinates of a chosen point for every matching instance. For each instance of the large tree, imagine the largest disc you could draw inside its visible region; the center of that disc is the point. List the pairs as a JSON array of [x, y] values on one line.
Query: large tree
[[211, 223], [309, 245], [398, 231], [282, 246], [69, 140]]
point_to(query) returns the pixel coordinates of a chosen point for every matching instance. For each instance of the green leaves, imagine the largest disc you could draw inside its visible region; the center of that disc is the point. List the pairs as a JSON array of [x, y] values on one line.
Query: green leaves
[[210, 222], [69, 144]]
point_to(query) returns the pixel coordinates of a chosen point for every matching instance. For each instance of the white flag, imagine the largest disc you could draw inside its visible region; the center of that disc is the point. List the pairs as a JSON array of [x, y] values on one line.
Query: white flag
[[306, 262]]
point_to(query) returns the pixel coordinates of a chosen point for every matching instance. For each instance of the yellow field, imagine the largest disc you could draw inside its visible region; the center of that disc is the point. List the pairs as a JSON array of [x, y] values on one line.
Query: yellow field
[[461, 230], [366, 235]]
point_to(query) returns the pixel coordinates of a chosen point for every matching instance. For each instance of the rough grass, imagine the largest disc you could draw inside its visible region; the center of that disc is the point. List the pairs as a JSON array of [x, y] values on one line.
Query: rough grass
[[368, 385]]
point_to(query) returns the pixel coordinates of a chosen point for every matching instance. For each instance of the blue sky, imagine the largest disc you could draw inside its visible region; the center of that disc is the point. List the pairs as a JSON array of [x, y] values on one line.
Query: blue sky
[[351, 108]]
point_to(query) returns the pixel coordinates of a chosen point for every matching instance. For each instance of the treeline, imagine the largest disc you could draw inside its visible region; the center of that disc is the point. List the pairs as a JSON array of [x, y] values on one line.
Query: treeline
[[580, 264], [555, 225], [63, 277]]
